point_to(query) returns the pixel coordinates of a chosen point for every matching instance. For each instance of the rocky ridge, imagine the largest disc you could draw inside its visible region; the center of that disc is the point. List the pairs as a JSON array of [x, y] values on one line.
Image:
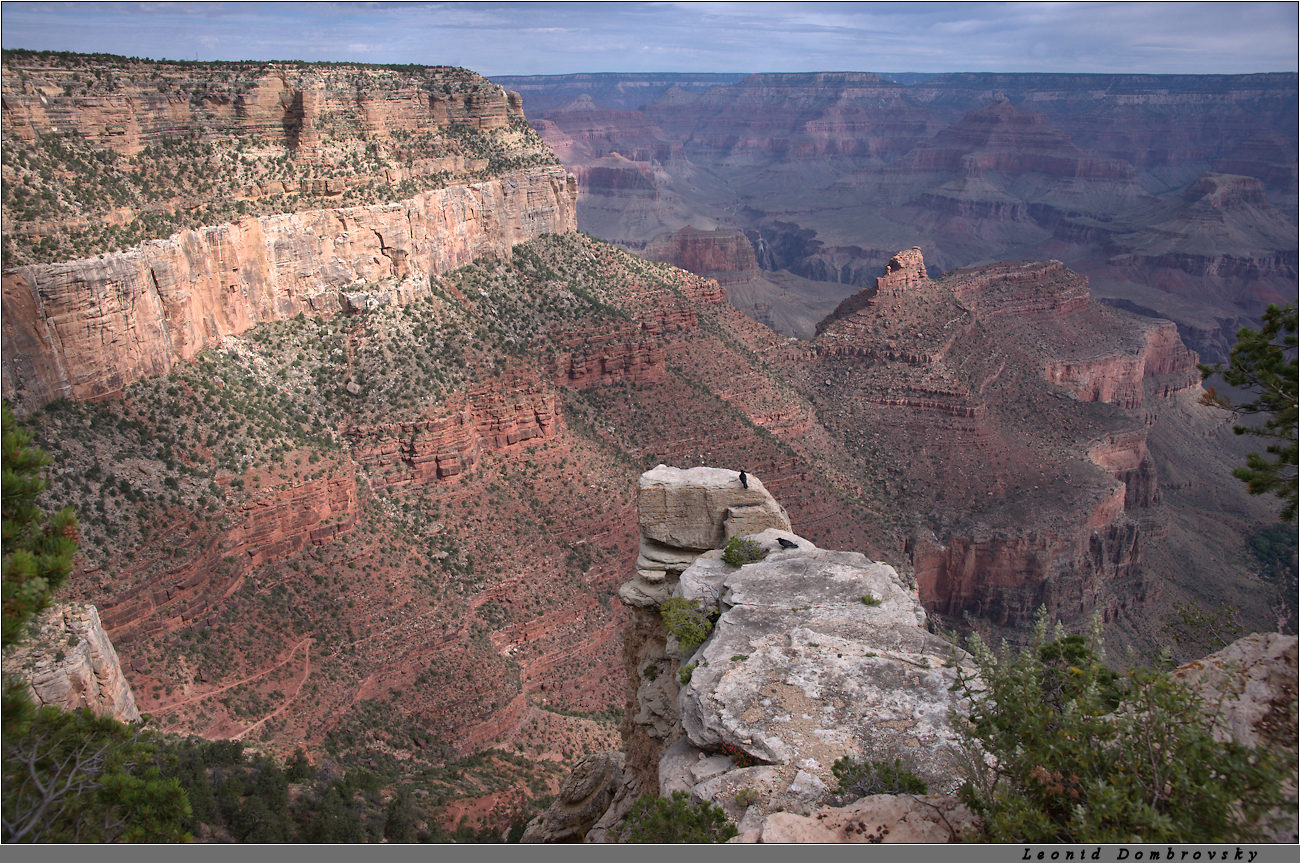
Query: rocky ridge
[[929, 347], [814, 656], [72, 336], [829, 173], [69, 662], [104, 152]]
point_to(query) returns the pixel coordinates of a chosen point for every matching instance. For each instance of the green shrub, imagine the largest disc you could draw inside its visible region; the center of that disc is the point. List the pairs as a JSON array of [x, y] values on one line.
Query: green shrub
[[868, 599], [675, 819], [741, 550], [687, 621], [860, 779], [1082, 754]]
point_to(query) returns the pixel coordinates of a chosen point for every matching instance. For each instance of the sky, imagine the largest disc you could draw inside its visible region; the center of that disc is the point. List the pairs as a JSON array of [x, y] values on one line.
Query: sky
[[558, 38]]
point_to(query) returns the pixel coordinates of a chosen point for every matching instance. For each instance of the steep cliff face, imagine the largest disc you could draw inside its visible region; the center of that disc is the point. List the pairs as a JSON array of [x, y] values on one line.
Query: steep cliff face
[[723, 255], [973, 350], [220, 196], [69, 662], [86, 329], [102, 152], [495, 417], [1162, 366]]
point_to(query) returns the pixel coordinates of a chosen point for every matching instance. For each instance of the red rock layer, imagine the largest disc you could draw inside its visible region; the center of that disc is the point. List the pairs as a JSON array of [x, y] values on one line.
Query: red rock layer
[[498, 415], [904, 271], [1162, 366], [604, 358], [633, 351], [1124, 456], [1006, 579], [723, 255], [274, 524], [1023, 288]]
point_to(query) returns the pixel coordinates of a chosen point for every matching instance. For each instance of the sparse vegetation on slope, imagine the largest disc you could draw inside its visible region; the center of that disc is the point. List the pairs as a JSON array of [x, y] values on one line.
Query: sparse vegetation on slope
[[208, 143]]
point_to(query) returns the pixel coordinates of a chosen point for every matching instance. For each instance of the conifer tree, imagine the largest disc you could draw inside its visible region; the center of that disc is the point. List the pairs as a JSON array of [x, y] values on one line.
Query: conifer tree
[[37, 549], [1264, 362]]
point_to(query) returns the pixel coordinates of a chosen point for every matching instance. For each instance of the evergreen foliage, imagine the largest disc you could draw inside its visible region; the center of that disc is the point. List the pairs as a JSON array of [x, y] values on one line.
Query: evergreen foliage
[[675, 819], [37, 548], [863, 778], [1264, 361], [244, 797], [687, 621], [741, 550], [1082, 754], [68, 776], [71, 776]]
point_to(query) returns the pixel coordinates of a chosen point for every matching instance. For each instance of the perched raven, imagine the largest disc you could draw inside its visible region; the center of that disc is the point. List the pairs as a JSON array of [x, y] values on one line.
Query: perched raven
[[744, 480], [785, 543]]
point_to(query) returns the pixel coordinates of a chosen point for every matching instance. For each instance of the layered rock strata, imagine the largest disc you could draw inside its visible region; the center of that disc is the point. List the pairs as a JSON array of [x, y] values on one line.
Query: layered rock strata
[[70, 663], [498, 416], [723, 255], [950, 357], [828, 173], [683, 513], [87, 328]]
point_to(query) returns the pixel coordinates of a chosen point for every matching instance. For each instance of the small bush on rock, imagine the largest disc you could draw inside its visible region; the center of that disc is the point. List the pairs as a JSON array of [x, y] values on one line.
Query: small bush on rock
[[687, 621], [860, 779], [741, 550], [674, 819]]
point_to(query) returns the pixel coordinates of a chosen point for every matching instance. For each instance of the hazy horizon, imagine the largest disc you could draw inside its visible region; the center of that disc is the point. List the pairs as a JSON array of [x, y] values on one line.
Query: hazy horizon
[[499, 39]]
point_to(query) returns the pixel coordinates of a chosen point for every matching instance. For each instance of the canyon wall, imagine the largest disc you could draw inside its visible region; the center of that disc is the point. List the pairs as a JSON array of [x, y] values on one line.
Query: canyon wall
[[69, 662], [1176, 195], [85, 329], [969, 352]]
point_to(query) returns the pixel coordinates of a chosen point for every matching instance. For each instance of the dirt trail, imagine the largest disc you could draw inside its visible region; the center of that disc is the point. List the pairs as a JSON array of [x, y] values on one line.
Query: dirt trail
[[306, 672], [162, 711]]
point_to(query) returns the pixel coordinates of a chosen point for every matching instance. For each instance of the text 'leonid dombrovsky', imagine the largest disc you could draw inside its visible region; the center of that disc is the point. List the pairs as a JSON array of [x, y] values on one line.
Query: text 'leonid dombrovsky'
[[1133, 854]]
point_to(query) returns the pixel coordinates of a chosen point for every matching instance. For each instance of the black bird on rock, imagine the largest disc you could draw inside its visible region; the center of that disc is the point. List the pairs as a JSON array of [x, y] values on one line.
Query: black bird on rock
[[744, 480], [785, 543]]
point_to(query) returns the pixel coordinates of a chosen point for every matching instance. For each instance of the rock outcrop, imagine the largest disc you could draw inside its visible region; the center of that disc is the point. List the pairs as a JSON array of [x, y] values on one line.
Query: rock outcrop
[[1250, 690], [499, 415], [684, 513], [70, 662], [1251, 686], [723, 255], [815, 656], [582, 800], [87, 328], [880, 818]]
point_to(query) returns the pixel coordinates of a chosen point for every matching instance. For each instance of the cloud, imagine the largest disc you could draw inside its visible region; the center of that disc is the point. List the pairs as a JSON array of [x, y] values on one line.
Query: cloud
[[542, 38]]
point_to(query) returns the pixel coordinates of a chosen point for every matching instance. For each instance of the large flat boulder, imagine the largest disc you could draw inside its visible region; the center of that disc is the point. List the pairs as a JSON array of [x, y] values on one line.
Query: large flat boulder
[[686, 511], [818, 655]]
